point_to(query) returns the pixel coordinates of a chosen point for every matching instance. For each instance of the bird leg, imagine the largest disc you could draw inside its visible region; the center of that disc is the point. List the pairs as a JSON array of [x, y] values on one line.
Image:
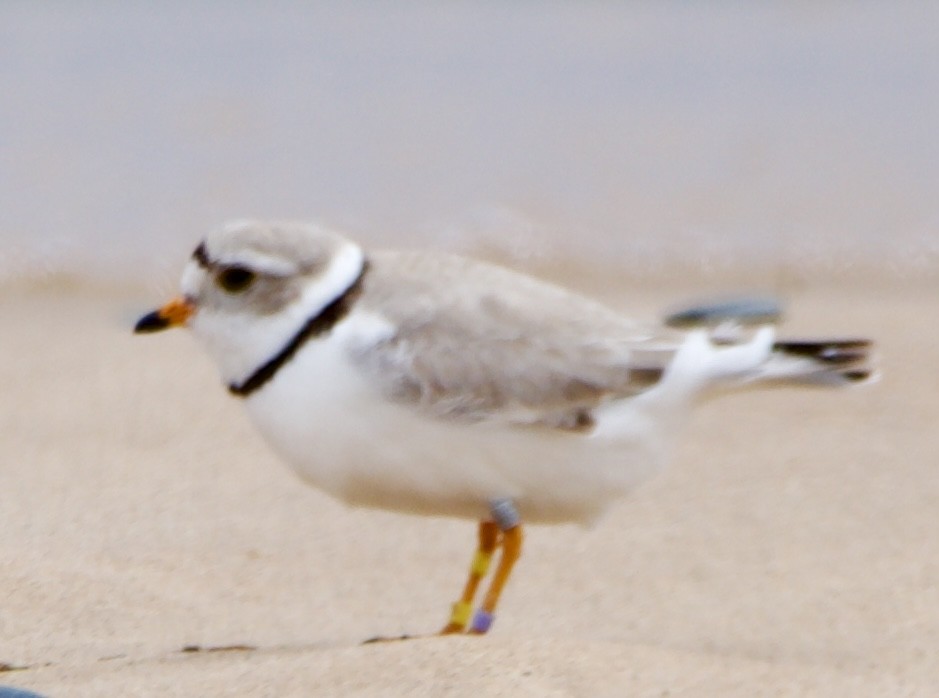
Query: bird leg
[[488, 542], [508, 524], [511, 550]]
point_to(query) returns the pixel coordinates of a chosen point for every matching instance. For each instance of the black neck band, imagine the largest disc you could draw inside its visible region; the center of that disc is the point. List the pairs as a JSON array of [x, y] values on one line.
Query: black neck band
[[319, 324]]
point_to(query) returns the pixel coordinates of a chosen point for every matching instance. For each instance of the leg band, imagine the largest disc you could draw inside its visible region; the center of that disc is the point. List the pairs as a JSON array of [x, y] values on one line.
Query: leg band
[[481, 563], [504, 513], [461, 613], [482, 621]]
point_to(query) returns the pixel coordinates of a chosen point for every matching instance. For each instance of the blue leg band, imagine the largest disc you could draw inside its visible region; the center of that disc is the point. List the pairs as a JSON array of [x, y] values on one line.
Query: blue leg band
[[482, 621]]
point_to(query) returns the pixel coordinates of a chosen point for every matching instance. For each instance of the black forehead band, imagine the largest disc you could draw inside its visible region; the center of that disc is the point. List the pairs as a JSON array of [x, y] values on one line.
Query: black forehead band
[[202, 257]]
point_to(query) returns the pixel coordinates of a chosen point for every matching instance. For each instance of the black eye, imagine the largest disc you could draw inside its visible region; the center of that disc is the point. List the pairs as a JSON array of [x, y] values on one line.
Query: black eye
[[235, 279]]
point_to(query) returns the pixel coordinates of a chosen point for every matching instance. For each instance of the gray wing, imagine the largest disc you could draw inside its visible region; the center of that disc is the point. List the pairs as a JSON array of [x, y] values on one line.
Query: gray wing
[[475, 342]]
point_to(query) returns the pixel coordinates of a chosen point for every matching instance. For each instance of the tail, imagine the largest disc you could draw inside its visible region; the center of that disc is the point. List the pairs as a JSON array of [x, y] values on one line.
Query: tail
[[830, 362], [734, 361]]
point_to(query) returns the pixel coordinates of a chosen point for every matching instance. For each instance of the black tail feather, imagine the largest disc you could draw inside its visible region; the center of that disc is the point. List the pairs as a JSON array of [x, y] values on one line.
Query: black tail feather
[[847, 358]]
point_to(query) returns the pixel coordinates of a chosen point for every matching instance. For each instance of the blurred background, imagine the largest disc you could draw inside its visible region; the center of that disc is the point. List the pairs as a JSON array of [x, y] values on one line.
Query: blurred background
[[795, 139]]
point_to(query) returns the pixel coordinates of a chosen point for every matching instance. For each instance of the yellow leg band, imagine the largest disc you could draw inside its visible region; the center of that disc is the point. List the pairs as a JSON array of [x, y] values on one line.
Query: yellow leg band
[[481, 563], [461, 613]]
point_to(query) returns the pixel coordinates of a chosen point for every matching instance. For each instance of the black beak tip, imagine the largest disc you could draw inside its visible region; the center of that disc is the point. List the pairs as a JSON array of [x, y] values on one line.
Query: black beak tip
[[151, 322]]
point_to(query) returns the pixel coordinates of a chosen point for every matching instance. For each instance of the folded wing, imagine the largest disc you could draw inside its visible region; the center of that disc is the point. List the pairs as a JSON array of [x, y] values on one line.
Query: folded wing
[[475, 342]]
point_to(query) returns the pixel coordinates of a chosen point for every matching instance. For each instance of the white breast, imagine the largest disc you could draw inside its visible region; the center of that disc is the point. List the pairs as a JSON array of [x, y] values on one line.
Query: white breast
[[323, 417]]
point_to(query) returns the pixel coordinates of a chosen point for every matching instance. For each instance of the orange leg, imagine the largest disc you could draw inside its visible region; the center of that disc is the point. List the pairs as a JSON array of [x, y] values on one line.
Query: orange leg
[[488, 542], [511, 550]]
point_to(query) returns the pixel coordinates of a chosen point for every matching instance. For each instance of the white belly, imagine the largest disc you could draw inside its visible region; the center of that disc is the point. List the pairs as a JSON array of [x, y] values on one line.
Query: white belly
[[341, 436]]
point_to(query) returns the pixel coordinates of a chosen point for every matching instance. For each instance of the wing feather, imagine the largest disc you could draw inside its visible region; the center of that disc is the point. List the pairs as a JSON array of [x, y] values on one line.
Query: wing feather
[[474, 342]]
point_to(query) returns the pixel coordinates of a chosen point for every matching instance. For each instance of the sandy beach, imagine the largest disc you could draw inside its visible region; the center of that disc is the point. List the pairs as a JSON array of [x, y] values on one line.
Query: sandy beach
[[152, 545], [790, 549]]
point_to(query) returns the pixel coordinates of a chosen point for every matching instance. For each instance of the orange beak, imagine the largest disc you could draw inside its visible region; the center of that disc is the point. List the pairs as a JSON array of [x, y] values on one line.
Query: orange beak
[[174, 314]]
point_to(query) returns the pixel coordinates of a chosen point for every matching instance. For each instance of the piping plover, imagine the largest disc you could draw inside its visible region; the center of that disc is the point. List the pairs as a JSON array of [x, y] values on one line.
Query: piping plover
[[439, 385]]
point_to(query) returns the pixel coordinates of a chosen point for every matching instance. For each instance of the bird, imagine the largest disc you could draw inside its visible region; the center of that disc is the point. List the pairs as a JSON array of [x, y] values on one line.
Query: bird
[[434, 384]]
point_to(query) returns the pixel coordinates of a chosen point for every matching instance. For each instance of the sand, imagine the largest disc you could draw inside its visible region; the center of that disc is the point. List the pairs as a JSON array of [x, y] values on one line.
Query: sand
[[791, 548]]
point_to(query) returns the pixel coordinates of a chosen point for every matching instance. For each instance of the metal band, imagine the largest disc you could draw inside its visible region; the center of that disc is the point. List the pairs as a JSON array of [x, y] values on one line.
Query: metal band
[[504, 513]]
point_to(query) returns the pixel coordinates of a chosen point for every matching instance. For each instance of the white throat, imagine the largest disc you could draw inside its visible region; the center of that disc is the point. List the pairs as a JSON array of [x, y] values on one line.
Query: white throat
[[242, 342]]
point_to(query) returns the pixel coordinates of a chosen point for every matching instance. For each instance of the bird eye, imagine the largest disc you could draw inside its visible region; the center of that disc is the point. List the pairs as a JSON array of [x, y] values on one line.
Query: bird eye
[[235, 279]]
